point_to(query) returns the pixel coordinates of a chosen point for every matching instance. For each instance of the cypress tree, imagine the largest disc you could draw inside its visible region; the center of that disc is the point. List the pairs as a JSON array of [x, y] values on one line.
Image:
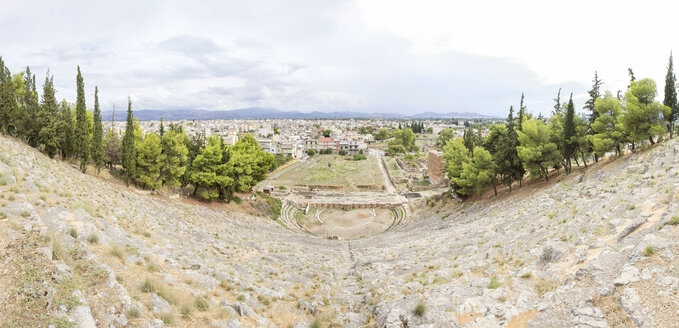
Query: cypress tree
[[671, 96], [162, 128], [568, 148], [28, 118], [97, 134], [8, 104], [522, 114], [515, 169], [65, 130], [594, 94], [47, 117], [81, 128], [128, 153]]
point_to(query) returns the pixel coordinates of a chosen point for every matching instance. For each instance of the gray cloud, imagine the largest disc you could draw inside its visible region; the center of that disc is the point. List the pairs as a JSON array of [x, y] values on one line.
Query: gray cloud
[[317, 55]]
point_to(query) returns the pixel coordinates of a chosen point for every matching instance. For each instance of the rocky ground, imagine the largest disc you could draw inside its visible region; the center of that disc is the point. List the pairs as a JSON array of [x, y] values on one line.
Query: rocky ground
[[596, 249]]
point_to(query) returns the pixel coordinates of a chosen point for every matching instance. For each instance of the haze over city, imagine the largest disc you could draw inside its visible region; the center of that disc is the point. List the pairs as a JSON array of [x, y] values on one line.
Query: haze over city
[[369, 56]]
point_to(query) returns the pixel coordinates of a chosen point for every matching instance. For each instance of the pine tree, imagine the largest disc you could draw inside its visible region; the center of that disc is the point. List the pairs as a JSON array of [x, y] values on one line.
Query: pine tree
[[162, 128], [594, 94], [456, 155], [175, 152], [97, 134], [671, 96], [537, 151], [499, 145], [111, 148], [8, 105], [47, 118], [557, 105], [149, 162], [642, 116], [128, 157], [608, 131], [631, 76], [81, 128], [568, 148], [208, 172]]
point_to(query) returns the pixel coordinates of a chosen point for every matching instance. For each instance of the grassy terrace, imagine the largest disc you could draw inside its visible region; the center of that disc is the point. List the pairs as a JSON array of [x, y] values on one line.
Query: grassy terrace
[[340, 172]]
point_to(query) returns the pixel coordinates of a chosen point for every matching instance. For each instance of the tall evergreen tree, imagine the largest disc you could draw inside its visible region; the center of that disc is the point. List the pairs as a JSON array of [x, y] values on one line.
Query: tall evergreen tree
[[671, 96], [47, 117], [81, 128], [631, 76], [557, 105], [516, 170], [522, 114], [129, 155], [594, 94], [568, 148], [162, 128], [65, 130], [29, 127], [97, 134], [8, 104]]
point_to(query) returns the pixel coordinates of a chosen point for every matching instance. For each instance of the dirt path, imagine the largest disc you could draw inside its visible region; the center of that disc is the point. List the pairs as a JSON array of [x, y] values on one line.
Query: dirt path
[[389, 187]]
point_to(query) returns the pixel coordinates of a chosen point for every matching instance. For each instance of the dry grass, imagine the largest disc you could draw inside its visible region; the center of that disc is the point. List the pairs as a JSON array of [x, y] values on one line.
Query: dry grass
[[543, 286]]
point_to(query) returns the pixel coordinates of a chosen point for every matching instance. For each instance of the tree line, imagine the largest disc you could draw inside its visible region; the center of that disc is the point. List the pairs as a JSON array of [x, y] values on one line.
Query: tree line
[[149, 160], [538, 145]]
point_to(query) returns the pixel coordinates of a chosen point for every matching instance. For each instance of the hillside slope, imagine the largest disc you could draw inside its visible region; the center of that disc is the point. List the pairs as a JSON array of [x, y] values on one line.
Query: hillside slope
[[575, 253]]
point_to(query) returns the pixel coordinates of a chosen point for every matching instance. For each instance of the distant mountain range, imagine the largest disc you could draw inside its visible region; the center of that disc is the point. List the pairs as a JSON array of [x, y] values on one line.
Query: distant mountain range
[[265, 113]]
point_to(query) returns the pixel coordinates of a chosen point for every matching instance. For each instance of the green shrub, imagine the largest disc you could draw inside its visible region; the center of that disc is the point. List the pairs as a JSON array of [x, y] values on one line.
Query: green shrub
[[419, 309], [543, 286], [168, 318], [58, 251], [151, 267], [25, 214], [237, 200], [118, 252], [202, 304], [73, 233], [315, 324], [674, 220], [133, 313], [147, 286], [649, 250], [186, 311], [493, 284], [93, 239]]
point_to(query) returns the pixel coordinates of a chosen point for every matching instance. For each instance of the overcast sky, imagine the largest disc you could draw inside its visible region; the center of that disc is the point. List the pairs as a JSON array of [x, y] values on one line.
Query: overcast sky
[[363, 55]]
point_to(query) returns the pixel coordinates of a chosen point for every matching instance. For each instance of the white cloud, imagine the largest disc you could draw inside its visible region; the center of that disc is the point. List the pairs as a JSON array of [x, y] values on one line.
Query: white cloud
[[369, 55]]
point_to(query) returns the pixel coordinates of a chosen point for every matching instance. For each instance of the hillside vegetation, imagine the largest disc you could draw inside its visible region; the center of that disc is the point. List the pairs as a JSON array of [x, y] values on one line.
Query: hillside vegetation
[[595, 250]]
